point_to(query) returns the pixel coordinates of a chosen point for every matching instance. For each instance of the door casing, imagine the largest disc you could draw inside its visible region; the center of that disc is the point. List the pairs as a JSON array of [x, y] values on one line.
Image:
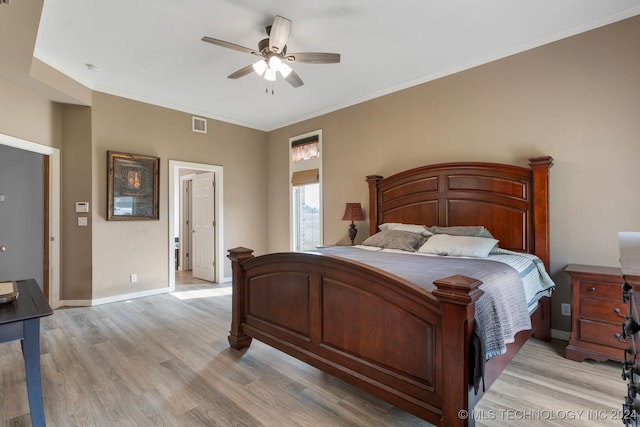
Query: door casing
[[174, 201]]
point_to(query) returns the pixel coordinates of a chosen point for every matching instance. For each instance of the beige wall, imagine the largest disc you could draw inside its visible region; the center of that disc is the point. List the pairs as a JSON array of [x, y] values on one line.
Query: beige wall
[[96, 260], [28, 116], [124, 247], [577, 100], [76, 179]]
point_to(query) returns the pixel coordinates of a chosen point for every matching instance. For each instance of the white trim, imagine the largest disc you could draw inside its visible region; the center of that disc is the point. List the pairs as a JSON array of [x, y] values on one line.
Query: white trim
[[300, 166], [174, 191], [54, 208], [115, 298], [560, 335], [75, 303]]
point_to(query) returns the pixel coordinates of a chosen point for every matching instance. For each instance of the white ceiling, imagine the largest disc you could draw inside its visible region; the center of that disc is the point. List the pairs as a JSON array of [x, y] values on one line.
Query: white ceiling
[[150, 50]]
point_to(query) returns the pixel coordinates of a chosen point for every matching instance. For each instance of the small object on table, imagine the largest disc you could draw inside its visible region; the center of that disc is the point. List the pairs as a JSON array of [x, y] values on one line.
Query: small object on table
[[8, 292]]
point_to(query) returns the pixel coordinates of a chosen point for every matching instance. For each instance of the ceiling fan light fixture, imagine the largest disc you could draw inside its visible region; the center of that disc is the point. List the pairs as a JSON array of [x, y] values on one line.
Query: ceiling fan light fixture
[[260, 67], [285, 70], [273, 51], [275, 63], [270, 75]]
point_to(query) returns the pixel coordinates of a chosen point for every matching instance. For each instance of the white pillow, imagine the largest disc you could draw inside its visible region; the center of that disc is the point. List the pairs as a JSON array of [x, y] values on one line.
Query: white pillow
[[445, 244], [413, 228]]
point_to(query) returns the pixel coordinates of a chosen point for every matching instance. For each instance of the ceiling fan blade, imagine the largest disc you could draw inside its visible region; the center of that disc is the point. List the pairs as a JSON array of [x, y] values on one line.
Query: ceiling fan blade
[[241, 72], [230, 45], [279, 34], [294, 79], [314, 57]]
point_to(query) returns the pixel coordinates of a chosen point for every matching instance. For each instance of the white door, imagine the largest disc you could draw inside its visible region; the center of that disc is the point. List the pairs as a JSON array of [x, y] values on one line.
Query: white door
[[203, 243], [185, 226]]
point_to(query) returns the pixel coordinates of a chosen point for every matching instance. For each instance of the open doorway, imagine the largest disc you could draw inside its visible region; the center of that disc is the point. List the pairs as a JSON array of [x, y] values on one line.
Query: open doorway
[[50, 209], [196, 220]]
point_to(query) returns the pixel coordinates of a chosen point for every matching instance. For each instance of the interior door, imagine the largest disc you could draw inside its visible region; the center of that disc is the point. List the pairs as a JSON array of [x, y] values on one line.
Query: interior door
[[204, 222], [22, 231]]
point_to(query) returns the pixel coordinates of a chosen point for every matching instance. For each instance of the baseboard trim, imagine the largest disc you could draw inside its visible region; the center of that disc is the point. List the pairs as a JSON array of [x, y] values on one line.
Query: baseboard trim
[[73, 303], [560, 335], [115, 298]]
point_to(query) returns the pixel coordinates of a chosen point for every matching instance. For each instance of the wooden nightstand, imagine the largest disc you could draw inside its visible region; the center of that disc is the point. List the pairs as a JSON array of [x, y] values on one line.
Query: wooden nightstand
[[597, 313]]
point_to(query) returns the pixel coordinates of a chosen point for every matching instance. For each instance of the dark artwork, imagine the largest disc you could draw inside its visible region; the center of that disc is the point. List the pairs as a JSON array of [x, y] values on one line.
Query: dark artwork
[[132, 187]]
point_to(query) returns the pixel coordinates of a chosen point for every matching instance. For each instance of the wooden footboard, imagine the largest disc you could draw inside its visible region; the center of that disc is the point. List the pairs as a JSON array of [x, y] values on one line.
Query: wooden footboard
[[379, 332], [374, 330]]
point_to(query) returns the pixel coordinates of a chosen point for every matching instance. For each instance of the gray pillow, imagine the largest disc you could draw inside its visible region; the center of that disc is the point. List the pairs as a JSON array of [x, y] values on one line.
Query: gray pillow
[[462, 230], [396, 239]]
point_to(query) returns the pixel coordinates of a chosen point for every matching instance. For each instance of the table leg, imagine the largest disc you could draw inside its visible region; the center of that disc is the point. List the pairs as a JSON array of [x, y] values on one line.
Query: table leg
[[31, 350]]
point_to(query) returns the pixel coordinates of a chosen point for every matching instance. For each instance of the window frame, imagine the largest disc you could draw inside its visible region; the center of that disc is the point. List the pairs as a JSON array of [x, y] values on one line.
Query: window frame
[[299, 166]]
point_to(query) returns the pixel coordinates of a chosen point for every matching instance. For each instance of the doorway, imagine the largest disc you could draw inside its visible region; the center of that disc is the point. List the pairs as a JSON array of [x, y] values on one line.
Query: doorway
[[50, 208], [208, 218]]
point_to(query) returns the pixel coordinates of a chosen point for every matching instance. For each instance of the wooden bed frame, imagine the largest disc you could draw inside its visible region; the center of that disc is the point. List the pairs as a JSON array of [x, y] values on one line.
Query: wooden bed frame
[[378, 332]]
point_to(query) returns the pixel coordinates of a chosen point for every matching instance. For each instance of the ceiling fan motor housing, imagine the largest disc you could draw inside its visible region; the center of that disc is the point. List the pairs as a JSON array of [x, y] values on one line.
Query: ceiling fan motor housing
[[263, 47]]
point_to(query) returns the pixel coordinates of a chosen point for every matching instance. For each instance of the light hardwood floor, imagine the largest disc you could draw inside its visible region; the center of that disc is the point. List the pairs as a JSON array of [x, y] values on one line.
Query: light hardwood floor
[[165, 361]]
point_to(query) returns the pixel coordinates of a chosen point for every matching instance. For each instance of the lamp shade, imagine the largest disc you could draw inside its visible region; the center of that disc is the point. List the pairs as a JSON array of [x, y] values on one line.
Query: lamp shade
[[260, 67], [353, 212], [270, 75], [285, 70]]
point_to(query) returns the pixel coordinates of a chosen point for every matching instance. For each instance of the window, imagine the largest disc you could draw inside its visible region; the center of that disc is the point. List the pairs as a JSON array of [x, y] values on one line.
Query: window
[[305, 168]]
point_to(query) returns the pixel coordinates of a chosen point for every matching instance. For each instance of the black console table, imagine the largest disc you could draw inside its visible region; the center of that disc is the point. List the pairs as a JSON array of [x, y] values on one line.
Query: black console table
[[20, 320]]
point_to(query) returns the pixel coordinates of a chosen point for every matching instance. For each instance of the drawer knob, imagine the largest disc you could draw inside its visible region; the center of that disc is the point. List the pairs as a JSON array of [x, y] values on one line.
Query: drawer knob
[[617, 311], [592, 289], [620, 338]]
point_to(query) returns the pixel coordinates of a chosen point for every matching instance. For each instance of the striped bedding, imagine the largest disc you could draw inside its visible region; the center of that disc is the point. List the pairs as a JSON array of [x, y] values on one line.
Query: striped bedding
[[535, 279]]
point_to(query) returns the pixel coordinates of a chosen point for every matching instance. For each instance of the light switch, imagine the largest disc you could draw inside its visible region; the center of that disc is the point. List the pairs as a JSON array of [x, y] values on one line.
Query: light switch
[[82, 221]]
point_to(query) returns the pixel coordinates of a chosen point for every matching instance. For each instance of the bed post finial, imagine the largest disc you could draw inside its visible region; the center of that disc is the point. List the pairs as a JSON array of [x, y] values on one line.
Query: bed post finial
[[373, 203], [540, 167], [237, 338]]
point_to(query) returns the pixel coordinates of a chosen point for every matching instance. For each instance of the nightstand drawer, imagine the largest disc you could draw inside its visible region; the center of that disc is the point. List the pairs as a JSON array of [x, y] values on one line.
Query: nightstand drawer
[[601, 291], [601, 333], [603, 311]]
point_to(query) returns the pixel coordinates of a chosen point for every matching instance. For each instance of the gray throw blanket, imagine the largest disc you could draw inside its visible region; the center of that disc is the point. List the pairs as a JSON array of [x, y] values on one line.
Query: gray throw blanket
[[500, 313]]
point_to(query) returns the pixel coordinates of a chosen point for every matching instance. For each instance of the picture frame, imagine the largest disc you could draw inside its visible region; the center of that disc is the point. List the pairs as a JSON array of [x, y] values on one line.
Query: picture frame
[[132, 187]]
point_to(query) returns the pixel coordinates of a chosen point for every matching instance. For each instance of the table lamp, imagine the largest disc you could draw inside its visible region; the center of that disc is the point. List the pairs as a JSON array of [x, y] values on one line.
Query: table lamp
[[353, 212]]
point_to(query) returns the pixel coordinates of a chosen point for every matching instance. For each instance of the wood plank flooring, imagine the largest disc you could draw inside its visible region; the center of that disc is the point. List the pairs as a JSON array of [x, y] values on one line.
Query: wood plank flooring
[[165, 361]]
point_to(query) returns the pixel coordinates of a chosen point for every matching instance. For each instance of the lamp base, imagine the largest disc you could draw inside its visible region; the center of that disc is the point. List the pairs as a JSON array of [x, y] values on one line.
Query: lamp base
[[352, 232]]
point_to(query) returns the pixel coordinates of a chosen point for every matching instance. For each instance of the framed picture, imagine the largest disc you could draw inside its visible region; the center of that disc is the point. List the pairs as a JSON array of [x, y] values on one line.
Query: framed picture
[[132, 187]]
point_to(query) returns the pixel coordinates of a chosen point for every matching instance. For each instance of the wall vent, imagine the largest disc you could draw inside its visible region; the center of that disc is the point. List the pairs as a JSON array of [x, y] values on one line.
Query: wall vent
[[198, 124]]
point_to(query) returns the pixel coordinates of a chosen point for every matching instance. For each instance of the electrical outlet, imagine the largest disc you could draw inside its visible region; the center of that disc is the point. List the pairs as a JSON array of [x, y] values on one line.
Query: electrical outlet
[[566, 309], [133, 278]]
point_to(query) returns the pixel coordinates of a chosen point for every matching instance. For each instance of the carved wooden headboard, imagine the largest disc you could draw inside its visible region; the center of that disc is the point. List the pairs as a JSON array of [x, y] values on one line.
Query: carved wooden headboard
[[512, 202]]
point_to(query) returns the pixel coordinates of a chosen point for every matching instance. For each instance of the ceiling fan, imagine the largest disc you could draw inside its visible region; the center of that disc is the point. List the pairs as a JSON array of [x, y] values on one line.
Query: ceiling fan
[[273, 51]]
